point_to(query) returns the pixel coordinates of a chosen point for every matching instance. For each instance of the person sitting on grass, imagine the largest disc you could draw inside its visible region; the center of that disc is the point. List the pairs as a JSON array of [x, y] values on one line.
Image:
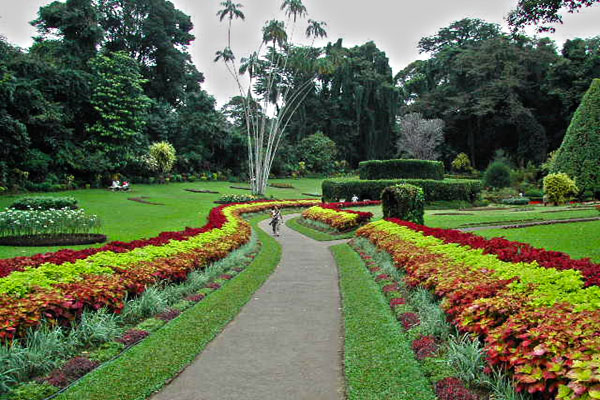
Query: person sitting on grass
[[115, 186], [125, 186]]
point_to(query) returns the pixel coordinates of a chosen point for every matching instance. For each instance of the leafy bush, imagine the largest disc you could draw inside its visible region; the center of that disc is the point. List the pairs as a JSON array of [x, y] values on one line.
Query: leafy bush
[[497, 175], [237, 198], [406, 202], [401, 169], [516, 201], [106, 351], [434, 190], [44, 203], [559, 187], [579, 152], [461, 163], [32, 391], [318, 152], [49, 222]]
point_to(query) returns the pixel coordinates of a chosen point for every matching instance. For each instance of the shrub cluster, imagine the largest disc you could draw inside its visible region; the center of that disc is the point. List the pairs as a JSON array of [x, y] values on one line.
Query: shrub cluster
[[401, 169], [434, 190], [44, 203], [558, 188], [404, 201], [516, 201], [497, 175]]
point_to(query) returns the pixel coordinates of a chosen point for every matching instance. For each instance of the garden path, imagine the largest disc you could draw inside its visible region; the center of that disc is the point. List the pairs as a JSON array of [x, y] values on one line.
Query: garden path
[[286, 343]]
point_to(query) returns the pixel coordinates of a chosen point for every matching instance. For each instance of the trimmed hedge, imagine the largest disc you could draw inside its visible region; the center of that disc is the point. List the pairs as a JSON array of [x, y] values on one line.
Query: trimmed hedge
[[446, 190], [401, 169], [406, 202], [40, 203]]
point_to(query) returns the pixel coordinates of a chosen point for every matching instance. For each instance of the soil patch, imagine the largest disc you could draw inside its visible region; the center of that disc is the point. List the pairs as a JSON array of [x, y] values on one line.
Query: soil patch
[[240, 187], [450, 213], [526, 225], [53, 240], [143, 200], [200, 191]]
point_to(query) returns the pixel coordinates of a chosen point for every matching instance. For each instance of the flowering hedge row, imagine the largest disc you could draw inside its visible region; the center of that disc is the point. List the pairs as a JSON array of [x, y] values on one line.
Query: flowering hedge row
[[541, 323], [60, 292], [340, 220], [507, 250]]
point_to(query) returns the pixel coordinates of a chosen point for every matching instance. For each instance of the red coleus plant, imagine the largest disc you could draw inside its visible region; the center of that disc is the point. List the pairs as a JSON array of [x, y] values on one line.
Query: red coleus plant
[[168, 314], [132, 336], [424, 347], [453, 389], [409, 320], [397, 301], [73, 369]]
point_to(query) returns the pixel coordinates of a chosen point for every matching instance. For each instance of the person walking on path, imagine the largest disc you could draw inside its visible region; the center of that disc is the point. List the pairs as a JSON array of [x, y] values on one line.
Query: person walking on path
[[276, 220]]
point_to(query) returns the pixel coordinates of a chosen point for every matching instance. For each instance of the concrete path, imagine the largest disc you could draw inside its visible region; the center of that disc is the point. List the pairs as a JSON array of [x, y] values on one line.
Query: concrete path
[[286, 343]]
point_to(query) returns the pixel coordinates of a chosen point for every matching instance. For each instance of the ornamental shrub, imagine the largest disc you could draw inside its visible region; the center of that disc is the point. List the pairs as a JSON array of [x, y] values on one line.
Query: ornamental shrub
[[559, 187], [579, 153], [44, 203], [405, 201], [399, 169], [462, 163], [447, 190], [497, 175]]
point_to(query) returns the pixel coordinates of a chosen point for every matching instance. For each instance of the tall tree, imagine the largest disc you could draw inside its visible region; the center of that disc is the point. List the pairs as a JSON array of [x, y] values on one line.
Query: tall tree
[[119, 100], [272, 85], [77, 23], [579, 154], [156, 34], [544, 12]]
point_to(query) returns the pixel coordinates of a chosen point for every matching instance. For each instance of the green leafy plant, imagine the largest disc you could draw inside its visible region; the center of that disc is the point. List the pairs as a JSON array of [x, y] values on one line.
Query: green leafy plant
[[106, 351], [404, 201], [559, 187], [401, 169], [462, 163], [497, 175], [44, 203]]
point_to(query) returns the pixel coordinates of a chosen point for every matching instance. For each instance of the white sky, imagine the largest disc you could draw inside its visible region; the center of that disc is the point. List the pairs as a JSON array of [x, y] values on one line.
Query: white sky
[[394, 25]]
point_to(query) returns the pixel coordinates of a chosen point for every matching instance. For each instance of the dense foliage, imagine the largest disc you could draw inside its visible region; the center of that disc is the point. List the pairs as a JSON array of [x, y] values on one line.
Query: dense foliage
[[404, 201], [44, 203], [446, 190], [559, 187], [401, 169], [579, 154], [497, 175]]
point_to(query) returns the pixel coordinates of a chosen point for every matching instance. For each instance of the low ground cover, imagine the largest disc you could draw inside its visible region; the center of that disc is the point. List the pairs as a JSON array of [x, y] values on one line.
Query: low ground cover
[[316, 230], [337, 218], [538, 323], [378, 360]]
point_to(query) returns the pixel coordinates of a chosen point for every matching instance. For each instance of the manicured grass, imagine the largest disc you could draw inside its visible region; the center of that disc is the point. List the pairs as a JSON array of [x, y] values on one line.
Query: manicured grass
[[128, 220], [579, 240], [314, 234], [508, 215], [379, 362], [146, 367]]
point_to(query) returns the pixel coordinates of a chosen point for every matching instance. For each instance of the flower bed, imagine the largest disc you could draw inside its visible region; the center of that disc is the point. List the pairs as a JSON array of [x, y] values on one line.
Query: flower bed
[[540, 323], [507, 250], [31, 290], [340, 220]]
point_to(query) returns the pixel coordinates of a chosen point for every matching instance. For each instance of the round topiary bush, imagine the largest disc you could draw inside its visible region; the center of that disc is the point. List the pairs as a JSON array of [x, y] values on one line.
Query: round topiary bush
[[404, 201], [497, 175], [559, 187]]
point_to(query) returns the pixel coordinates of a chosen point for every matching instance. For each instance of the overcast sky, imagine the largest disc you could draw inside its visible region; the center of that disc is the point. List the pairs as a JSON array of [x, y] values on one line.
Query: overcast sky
[[394, 25]]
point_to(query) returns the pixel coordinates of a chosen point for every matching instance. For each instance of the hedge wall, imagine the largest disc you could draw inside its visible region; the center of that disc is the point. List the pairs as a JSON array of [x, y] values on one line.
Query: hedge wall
[[446, 190], [401, 169]]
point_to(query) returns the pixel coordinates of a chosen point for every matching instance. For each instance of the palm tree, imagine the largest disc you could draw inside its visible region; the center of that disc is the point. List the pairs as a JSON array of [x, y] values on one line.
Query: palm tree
[[226, 55], [316, 29], [230, 10], [274, 31], [250, 64], [293, 8]]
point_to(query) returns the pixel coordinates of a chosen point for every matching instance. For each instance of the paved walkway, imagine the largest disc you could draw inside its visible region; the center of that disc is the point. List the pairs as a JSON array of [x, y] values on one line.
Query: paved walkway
[[285, 344]]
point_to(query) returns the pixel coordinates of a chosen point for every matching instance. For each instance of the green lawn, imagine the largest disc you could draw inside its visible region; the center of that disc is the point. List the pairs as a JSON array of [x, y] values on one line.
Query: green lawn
[[461, 219], [578, 240], [127, 220]]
